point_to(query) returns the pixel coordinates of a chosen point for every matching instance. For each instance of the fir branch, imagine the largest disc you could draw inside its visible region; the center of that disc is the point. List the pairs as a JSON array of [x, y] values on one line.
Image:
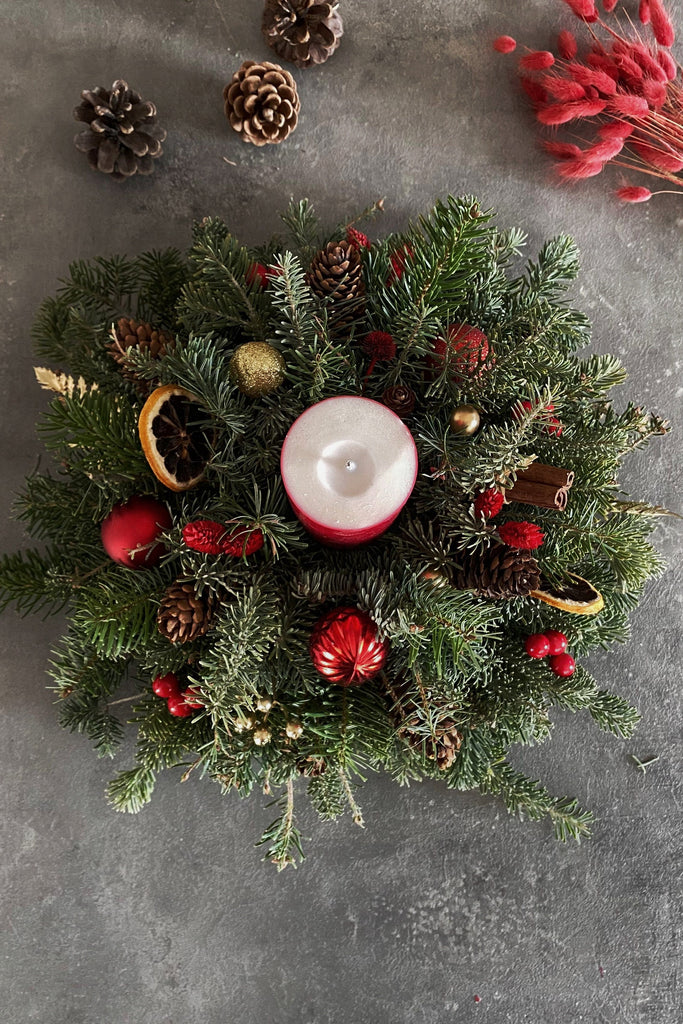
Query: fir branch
[[282, 836]]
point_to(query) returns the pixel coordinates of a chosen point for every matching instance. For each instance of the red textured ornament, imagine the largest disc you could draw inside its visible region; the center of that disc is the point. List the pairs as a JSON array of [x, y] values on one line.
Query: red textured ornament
[[526, 536], [204, 535], [242, 542], [489, 503], [563, 665], [131, 529], [357, 239], [178, 708], [166, 686], [380, 346], [537, 645], [469, 351], [557, 641], [345, 648]]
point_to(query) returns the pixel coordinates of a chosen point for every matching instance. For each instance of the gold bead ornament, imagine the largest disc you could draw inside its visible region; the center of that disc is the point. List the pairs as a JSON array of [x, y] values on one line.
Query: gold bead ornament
[[465, 420], [257, 368]]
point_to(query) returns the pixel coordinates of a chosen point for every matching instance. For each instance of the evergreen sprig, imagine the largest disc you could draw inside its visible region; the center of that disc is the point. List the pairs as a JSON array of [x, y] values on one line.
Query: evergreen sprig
[[456, 660]]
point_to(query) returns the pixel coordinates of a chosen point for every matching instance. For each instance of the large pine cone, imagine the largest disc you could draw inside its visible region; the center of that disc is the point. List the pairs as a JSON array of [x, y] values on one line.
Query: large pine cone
[[261, 103], [183, 614], [136, 334], [122, 136], [500, 571], [336, 274], [305, 32]]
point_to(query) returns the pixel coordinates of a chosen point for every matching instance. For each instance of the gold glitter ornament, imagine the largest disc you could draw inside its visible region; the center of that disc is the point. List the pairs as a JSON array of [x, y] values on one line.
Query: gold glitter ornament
[[261, 737], [464, 420], [257, 368], [294, 730]]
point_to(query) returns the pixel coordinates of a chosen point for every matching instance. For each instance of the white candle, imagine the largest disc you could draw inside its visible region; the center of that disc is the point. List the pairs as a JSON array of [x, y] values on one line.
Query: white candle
[[349, 466]]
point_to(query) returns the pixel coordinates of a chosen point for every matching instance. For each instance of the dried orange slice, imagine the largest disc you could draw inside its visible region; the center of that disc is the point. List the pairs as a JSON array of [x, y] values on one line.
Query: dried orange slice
[[174, 438], [574, 595]]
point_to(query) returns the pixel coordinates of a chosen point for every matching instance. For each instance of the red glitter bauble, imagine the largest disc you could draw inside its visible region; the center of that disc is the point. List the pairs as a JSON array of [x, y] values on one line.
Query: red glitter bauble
[[130, 531], [469, 351], [242, 542], [345, 648]]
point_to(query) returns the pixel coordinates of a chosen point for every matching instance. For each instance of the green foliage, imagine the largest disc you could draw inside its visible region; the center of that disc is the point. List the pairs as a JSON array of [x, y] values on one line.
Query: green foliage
[[456, 660]]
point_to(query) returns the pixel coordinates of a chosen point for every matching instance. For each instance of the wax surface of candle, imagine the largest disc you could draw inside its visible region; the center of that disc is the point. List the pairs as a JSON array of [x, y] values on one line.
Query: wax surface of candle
[[348, 464]]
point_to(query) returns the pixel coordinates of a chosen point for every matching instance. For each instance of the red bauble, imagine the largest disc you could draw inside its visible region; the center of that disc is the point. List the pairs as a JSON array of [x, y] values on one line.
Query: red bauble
[[178, 708], [469, 351], [241, 542], [526, 536], [257, 272], [345, 648], [398, 259], [537, 645], [166, 686], [563, 665], [552, 424], [204, 535], [489, 503], [130, 530], [557, 641]]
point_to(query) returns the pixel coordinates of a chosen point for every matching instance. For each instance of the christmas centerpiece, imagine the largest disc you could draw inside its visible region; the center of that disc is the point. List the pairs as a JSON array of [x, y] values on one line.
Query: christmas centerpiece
[[332, 506]]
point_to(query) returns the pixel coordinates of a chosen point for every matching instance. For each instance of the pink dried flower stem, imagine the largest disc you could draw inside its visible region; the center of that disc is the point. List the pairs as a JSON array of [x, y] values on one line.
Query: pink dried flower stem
[[625, 90]]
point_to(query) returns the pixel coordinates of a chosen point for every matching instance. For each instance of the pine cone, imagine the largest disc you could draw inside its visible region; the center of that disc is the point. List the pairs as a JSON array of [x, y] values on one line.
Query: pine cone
[[400, 399], [305, 32], [312, 767], [438, 740], [336, 274], [261, 103], [499, 571], [183, 614], [137, 334], [122, 136]]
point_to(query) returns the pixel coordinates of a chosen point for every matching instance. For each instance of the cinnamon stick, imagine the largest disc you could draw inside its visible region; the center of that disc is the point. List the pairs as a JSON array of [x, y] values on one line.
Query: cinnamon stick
[[550, 475], [531, 492]]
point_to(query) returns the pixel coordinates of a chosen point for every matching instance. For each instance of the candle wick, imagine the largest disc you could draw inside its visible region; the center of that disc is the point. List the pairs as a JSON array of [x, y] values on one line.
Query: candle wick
[[350, 465]]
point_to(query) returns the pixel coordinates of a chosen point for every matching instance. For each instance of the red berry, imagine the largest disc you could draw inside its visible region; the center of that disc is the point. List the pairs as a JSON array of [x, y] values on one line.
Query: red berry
[[178, 707], [537, 646], [189, 695], [166, 686], [563, 665], [557, 641]]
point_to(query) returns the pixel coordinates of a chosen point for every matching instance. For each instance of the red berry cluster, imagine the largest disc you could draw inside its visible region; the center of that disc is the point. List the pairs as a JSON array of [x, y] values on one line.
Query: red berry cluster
[[552, 645], [181, 703]]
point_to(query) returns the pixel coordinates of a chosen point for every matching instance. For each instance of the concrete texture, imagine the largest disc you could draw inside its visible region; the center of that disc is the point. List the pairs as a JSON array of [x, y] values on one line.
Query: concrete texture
[[170, 917]]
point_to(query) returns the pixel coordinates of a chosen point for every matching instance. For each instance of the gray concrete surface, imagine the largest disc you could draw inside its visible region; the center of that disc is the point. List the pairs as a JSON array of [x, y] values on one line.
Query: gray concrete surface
[[170, 917]]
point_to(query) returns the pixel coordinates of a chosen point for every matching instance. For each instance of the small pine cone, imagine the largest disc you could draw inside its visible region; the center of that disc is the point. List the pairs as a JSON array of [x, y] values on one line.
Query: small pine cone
[[121, 137], [440, 742], [399, 399], [305, 32], [183, 614], [127, 333], [498, 572], [336, 274], [261, 103]]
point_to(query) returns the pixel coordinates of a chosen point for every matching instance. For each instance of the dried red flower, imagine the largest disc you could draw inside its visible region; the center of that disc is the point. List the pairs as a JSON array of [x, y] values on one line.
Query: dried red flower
[[615, 130], [357, 239], [504, 44], [204, 535], [562, 88], [489, 503], [567, 47], [609, 5], [585, 76], [577, 170], [634, 194], [644, 12], [661, 24], [537, 60], [562, 150], [561, 113], [629, 105], [668, 64], [398, 259], [583, 9], [526, 536]]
